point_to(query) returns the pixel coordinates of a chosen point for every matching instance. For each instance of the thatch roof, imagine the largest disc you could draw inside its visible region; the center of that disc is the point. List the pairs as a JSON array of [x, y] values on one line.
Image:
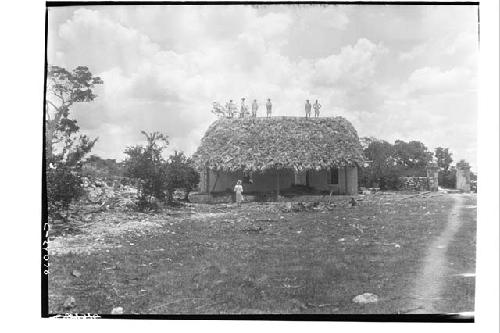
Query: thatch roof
[[257, 144]]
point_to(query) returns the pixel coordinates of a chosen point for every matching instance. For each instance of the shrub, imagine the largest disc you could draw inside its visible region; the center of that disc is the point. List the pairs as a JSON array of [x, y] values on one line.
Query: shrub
[[63, 186], [158, 178]]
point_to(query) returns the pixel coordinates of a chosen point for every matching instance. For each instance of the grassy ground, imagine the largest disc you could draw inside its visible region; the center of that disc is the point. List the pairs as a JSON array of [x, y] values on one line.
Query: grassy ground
[[249, 259]]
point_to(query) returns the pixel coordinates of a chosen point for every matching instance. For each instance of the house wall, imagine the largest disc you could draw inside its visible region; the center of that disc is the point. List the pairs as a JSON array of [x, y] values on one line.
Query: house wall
[[347, 182], [266, 181]]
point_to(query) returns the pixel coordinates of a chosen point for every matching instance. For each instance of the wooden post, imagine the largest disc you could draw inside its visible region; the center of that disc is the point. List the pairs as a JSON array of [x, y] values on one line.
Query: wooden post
[[277, 184], [207, 170], [345, 178]]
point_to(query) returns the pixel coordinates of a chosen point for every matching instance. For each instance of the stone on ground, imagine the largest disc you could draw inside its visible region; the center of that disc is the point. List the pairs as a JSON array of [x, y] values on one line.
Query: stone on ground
[[365, 298], [69, 303], [117, 310]]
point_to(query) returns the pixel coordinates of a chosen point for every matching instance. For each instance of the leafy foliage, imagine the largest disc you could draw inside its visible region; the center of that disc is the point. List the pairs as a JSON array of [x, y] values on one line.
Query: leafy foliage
[[388, 162], [258, 144], [64, 88], [64, 147], [444, 159], [63, 186], [381, 170], [157, 177], [447, 175], [146, 164], [411, 155], [228, 110], [181, 173]]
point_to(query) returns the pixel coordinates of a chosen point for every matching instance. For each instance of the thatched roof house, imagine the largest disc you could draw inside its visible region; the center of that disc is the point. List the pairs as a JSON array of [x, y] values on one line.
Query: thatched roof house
[[280, 151]]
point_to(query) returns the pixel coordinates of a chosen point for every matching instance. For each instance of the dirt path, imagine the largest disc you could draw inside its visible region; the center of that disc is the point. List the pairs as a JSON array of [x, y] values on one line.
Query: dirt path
[[429, 285]]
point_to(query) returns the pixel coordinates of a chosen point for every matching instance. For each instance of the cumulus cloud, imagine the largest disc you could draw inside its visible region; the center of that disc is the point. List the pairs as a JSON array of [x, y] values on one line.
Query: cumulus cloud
[[353, 66], [163, 66], [433, 80]]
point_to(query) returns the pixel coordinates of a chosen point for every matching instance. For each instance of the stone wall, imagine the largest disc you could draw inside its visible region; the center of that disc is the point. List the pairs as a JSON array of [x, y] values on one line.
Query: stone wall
[[414, 183]]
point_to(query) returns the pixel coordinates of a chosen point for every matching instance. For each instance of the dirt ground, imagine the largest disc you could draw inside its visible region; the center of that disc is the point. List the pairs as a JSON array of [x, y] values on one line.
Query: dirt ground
[[261, 258]]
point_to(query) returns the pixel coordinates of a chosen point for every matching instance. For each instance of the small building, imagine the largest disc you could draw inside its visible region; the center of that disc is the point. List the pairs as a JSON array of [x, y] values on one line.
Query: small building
[[272, 154]]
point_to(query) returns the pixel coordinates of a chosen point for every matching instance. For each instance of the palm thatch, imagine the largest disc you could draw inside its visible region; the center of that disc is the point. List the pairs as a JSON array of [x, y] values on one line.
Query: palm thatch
[[258, 144]]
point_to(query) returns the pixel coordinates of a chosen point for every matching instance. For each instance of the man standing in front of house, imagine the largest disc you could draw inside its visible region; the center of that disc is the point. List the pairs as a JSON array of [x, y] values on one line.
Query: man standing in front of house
[[255, 107], [316, 107], [269, 107], [308, 109]]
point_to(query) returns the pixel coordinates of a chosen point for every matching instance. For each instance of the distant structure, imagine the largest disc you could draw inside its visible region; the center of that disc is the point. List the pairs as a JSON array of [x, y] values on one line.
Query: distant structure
[[432, 176], [463, 176]]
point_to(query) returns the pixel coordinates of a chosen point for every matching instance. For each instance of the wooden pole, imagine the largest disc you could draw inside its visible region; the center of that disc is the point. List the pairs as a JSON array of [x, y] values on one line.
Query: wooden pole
[[345, 178], [277, 184], [207, 170]]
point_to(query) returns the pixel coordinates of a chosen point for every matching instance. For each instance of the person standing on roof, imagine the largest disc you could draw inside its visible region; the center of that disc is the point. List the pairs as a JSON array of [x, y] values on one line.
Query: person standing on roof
[[255, 107], [269, 108], [308, 109], [243, 110], [230, 109], [316, 107]]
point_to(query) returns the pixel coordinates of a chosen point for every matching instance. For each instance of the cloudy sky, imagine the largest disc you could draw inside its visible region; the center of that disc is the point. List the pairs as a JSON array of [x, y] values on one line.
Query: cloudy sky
[[396, 72]]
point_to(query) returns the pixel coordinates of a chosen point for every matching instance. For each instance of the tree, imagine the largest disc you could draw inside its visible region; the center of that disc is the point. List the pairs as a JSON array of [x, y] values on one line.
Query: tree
[[147, 165], [224, 111], [64, 89], [64, 149], [63, 186], [158, 178], [379, 155], [447, 173], [443, 157], [181, 173], [388, 162], [412, 157]]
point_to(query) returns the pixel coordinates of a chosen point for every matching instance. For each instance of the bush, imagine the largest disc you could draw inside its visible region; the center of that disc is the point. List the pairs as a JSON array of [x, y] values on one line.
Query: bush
[[63, 186], [145, 204], [158, 178], [390, 180]]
